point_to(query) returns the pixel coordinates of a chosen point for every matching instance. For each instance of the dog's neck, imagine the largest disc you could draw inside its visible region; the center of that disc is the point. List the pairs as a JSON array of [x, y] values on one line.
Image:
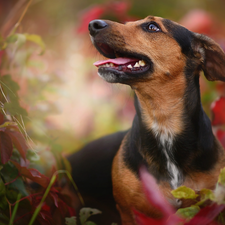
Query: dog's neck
[[174, 137]]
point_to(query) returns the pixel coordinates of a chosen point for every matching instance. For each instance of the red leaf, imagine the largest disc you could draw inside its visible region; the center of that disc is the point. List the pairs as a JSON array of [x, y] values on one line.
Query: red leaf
[[55, 198], [89, 15], [6, 147], [153, 193], [44, 219], [119, 8], [64, 208], [220, 86], [32, 174], [141, 219], [206, 215], [198, 20], [18, 140], [2, 52], [1, 118], [221, 136], [45, 207], [218, 110], [71, 211]]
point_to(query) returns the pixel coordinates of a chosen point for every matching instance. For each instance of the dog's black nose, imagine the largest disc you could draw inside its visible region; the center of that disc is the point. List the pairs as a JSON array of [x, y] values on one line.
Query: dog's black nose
[[96, 25]]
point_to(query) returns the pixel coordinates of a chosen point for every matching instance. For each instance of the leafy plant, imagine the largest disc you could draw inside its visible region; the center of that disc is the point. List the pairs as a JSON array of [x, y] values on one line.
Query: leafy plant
[[19, 202], [84, 215]]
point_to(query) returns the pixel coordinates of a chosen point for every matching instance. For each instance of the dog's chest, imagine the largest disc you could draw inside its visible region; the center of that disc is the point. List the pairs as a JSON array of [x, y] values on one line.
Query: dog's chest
[[165, 139]]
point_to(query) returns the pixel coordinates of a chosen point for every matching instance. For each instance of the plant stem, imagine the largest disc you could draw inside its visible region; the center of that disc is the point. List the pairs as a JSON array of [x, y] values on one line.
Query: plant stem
[[15, 210], [21, 17], [38, 209], [52, 181]]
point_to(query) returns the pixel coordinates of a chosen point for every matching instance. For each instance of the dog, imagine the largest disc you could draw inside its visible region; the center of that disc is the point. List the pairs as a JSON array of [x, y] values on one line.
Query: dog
[[171, 134]]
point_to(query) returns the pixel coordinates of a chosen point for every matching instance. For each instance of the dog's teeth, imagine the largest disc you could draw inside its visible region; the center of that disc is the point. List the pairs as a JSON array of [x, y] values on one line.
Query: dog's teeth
[[141, 63], [107, 65], [111, 64], [136, 64], [130, 67]]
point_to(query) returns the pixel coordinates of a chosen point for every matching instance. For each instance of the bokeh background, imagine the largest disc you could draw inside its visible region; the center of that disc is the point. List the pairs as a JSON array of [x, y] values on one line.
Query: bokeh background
[[67, 103]]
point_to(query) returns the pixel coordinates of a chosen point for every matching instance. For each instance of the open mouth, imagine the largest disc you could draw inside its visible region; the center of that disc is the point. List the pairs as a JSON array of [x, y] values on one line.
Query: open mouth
[[121, 62]]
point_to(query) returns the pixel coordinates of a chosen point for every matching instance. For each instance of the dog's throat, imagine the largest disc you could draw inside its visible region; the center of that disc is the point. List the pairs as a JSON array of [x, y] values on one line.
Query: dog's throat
[[165, 140]]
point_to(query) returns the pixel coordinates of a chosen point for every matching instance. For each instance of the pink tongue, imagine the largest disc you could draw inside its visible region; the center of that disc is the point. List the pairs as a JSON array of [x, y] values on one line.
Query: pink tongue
[[117, 61]]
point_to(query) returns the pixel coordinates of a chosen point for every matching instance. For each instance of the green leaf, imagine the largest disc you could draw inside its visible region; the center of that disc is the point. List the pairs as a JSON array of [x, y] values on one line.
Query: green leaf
[[10, 88], [221, 179], [219, 194], [21, 40], [11, 195], [3, 44], [9, 172], [2, 188], [184, 192], [18, 39], [4, 218], [85, 213], [71, 220], [7, 81], [14, 109], [3, 203], [15, 155], [8, 123], [12, 38], [19, 186], [206, 194], [37, 40], [188, 212], [32, 155], [90, 223]]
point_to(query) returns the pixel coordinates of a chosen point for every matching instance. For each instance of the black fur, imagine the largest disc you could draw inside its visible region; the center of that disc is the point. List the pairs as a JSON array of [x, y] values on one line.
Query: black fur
[[182, 35], [91, 171]]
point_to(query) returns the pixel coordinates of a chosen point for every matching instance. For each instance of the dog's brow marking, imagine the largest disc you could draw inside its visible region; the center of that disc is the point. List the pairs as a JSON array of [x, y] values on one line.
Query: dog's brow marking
[[166, 139], [150, 17]]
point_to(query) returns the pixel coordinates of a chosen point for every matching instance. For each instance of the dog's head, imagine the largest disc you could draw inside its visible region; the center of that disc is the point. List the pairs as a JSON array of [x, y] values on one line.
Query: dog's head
[[161, 60], [153, 49]]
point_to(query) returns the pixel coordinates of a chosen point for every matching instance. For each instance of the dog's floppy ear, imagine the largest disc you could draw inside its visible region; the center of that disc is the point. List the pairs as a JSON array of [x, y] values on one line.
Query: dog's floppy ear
[[211, 55]]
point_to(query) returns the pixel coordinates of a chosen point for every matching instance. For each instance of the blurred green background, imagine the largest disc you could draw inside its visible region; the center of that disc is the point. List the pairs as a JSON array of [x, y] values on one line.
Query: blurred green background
[[67, 103]]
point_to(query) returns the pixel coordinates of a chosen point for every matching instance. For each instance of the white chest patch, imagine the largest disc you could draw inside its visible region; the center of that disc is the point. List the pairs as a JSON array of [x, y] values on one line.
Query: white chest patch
[[166, 137]]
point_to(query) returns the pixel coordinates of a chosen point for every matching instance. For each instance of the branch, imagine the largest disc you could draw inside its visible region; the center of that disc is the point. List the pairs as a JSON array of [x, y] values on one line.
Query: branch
[[15, 17]]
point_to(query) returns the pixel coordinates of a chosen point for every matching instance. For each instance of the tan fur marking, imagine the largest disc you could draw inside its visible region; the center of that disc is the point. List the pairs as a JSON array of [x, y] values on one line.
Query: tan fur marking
[[162, 103]]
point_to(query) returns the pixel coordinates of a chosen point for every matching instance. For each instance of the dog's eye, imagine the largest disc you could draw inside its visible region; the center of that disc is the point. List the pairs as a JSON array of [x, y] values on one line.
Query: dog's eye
[[153, 27]]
